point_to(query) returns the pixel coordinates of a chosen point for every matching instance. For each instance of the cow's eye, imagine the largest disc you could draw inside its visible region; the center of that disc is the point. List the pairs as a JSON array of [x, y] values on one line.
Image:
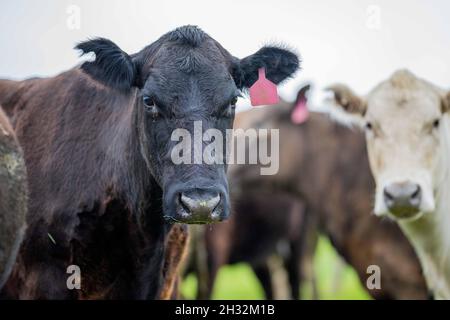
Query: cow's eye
[[231, 107], [436, 123], [150, 107], [369, 126], [148, 101]]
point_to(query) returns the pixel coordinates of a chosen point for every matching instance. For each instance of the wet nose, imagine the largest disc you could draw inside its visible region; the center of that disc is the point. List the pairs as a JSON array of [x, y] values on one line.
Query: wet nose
[[200, 206], [403, 199]]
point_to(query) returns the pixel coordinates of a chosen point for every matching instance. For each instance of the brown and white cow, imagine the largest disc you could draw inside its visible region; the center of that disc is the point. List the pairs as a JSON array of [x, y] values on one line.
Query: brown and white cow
[[408, 140]]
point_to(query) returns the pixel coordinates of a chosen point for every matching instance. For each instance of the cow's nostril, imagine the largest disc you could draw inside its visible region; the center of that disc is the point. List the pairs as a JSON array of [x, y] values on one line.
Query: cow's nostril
[[184, 203], [387, 195], [416, 193], [416, 197]]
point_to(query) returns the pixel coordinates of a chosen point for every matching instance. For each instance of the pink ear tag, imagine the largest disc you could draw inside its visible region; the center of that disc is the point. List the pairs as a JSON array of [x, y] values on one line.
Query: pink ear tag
[[263, 91], [300, 113]]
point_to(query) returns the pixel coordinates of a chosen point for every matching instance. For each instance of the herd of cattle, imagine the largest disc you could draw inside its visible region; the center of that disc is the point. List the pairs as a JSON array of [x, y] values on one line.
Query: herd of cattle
[[86, 177]]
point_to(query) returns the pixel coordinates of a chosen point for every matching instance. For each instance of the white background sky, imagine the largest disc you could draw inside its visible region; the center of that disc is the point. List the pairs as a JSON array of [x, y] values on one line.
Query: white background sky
[[340, 41]]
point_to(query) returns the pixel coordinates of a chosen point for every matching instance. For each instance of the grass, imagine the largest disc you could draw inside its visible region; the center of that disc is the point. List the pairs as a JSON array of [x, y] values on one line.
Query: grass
[[335, 280]]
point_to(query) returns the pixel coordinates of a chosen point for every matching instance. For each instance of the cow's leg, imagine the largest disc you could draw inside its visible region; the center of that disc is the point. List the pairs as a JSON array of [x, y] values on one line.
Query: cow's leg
[[297, 241], [293, 265], [211, 279], [308, 272], [215, 261], [308, 242], [262, 272], [218, 247]]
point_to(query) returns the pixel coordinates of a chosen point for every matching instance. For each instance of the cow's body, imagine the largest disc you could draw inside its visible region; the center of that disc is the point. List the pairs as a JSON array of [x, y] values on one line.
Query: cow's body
[[13, 198], [84, 205], [97, 141], [323, 166]]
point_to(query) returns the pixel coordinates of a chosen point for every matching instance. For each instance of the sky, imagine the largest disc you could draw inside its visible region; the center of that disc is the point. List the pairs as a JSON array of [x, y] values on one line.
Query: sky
[[357, 42]]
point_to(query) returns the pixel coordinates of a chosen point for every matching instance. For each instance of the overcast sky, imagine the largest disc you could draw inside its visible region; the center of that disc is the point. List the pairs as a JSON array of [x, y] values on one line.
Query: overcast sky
[[357, 42]]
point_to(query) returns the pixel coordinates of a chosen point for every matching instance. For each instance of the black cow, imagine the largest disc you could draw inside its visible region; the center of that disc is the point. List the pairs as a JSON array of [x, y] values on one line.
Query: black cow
[[98, 147]]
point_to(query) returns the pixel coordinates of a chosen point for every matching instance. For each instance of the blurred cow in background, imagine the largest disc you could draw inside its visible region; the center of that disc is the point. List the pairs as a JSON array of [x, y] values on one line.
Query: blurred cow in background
[[265, 226], [13, 198], [407, 126], [324, 182]]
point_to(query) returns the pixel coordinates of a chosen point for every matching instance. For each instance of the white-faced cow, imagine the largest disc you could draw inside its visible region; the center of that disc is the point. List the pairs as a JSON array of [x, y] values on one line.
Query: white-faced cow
[[406, 120], [97, 141]]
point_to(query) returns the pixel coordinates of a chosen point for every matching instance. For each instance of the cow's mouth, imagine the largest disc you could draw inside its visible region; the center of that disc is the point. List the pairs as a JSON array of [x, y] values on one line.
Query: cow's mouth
[[405, 214]]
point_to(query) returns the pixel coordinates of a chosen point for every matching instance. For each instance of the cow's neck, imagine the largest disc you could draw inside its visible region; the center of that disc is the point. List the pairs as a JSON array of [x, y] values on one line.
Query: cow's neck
[[430, 235], [433, 249]]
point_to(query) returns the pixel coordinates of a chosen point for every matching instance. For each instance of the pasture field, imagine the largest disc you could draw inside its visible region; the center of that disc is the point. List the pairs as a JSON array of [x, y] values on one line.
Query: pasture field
[[335, 280]]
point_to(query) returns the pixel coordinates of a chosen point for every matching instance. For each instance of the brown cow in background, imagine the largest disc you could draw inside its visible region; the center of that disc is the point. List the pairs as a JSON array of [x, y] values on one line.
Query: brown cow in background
[[324, 167], [13, 197]]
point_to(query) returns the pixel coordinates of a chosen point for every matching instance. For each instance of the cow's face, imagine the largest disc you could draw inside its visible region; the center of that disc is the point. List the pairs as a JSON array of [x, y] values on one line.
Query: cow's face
[[406, 128], [186, 85]]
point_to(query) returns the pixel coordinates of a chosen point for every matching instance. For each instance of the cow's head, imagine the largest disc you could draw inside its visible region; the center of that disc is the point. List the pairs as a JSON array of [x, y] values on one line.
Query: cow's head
[[407, 133], [182, 82]]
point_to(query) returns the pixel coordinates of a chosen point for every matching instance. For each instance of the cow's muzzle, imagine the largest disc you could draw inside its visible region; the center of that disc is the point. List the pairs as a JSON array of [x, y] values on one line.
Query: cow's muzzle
[[403, 199], [198, 206]]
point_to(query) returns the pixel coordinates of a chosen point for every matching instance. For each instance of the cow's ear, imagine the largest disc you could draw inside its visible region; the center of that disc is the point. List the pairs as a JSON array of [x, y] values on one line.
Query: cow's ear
[[280, 63], [347, 100], [112, 66]]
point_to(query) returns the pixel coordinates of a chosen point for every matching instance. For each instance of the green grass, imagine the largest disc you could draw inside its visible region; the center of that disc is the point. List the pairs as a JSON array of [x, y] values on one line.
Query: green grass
[[335, 280]]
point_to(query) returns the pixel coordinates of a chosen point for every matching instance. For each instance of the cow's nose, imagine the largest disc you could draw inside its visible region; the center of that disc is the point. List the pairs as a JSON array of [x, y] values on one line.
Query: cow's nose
[[200, 206], [403, 199]]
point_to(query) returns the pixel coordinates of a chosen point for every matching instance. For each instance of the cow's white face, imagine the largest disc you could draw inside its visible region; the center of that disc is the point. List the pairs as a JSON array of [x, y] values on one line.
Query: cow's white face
[[406, 128]]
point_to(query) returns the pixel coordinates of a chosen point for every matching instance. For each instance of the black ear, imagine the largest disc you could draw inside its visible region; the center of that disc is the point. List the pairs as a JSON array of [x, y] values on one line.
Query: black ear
[[112, 66], [280, 64]]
